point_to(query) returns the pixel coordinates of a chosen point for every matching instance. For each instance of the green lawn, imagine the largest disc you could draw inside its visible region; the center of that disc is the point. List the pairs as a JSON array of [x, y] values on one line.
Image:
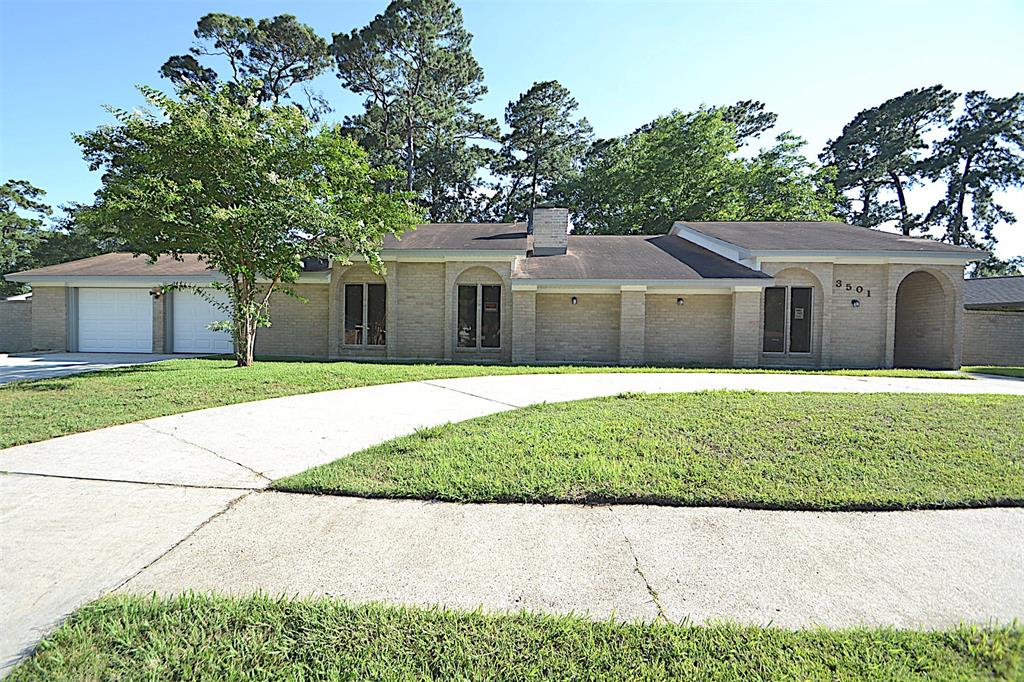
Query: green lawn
[[1017, 372], [787, 450], [261, 638], [36, 410]]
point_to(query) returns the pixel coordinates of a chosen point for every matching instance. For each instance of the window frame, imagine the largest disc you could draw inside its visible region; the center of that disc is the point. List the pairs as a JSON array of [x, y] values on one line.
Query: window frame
[[479, 312], [787, 322], [364, 330]]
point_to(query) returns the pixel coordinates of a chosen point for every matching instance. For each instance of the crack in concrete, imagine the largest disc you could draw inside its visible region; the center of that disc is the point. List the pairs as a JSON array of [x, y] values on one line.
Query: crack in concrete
[[162, 484], [228, 507], [474, 395], [639, 571], [206, 449]]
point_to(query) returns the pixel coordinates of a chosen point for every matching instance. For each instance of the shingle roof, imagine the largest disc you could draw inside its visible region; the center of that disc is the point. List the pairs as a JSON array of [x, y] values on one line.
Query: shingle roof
[[994, 292], [816, 236], [462, 237], [123, 264], [661, 257]]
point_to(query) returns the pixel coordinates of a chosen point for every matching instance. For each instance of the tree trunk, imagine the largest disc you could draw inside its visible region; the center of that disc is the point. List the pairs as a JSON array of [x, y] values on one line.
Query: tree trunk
[[958, 219], [865, 194], [904, 222]]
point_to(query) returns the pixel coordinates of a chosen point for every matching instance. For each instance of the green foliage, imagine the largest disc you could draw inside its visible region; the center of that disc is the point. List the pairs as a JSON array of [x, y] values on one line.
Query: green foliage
[[414, 65], [997, 267], [259, 637], [21, 229], [31, 411], [749, 117], [881, 149], [795, 450], [252, 189], [544, 146], [983, 154], [280, 53], [685, 166]]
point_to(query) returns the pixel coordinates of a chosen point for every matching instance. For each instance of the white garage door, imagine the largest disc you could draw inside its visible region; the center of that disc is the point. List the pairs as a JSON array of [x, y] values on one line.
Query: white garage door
[[191, 319], [115, 321]]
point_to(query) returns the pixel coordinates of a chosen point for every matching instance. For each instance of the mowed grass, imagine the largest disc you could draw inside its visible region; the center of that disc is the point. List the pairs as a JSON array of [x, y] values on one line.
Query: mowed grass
[[775, 450], [262, 638], [36, 410], [1016, 372]]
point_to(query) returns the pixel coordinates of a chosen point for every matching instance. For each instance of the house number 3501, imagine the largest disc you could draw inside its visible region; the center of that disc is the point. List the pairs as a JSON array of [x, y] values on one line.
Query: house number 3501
[[850, 287]]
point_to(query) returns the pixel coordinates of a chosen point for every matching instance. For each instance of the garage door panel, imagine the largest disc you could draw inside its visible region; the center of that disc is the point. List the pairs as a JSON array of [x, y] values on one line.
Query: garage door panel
[[115, 320], [192, 316]]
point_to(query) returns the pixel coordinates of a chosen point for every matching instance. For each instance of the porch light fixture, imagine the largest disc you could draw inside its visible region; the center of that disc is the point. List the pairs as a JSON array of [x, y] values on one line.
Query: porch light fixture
[[855, 303], [573, 300], [680, 301]]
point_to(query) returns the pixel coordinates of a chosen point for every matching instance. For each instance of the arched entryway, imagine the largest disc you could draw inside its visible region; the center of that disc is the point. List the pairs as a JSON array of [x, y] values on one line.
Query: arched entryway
[[924, 326]]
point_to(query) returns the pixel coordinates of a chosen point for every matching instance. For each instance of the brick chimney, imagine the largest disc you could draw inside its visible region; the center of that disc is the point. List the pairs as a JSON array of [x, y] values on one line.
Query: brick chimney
[[550, 228]]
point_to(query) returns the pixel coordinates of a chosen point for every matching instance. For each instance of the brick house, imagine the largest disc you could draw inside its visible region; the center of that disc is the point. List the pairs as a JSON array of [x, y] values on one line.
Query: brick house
[[789, 294]]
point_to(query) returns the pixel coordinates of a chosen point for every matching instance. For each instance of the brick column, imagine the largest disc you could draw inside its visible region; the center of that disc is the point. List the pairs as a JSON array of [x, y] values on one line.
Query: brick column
[[451, 273], [334, 311], [746, 327], [158, 322], [895, 275], [524, 324], [391, 323], [632, 321]]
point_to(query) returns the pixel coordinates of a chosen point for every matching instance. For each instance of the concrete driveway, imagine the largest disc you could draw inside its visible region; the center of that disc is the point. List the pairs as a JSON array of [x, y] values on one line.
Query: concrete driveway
[[46, 365], [176, 502]]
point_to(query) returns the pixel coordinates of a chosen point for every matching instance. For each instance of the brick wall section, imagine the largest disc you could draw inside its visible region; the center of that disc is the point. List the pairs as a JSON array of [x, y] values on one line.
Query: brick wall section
[[859, 333], [632, 327], [420, 307], [921, 323], [15, 326], [746, 328], [993, 338], [951, 281], [524, 326], [585, 332], [159, 318], [699, 332], [550, 230], [49, 318], [297, 328]]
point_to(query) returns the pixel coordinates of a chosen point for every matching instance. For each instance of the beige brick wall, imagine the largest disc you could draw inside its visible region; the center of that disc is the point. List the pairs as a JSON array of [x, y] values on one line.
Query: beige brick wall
[[699, 332], [421, 296], [921, 323], [993, 338], [159, 318], [945, 343], [49, 318], [524, 327], [585, 332], [297, 328], [632, 327], [858, 334], [15, 326], [746, 328]]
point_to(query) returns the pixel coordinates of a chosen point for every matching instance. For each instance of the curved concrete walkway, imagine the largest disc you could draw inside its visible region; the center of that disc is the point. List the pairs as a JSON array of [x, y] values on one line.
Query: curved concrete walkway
[[172, 503]]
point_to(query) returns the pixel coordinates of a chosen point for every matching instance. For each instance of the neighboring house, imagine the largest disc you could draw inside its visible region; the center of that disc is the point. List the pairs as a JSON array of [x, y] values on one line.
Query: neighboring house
[[994, 321], [796, 294]]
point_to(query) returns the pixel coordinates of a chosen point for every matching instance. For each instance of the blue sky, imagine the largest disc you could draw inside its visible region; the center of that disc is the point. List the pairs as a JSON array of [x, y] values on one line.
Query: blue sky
[[814, 63]]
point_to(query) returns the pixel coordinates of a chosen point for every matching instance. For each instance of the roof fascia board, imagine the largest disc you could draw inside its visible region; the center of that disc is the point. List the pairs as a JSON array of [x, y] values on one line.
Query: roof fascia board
[[866, 257], [616, 285], [719, 246], [437, 256]]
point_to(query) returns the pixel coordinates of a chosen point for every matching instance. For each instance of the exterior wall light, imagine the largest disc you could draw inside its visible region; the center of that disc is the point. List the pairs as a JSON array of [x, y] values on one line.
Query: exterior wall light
[[680, 301], [855, 303], [573, 300]]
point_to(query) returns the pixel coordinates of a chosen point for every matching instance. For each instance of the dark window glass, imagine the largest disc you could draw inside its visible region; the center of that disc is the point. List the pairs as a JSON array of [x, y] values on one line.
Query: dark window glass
[[490, 317], [353, 314], [376, 314], [774, 320], [800, 320], [467, 316]]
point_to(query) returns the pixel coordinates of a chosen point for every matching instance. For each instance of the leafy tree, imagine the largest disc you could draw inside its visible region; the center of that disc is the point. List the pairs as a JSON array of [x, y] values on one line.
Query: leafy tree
[[684, 167], [280, 52], [749, 118], [982, 154], [19, 233], [414, 65], [544, 145], [996, 267], [881, 149], [252, 189]]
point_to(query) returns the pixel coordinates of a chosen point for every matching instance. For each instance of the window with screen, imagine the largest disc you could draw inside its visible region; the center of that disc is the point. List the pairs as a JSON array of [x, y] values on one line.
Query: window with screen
[[376, 314], [490, 317], [365, 315], [353, 314], [800, 320], [467, 316], [774, 320], [479, 316]]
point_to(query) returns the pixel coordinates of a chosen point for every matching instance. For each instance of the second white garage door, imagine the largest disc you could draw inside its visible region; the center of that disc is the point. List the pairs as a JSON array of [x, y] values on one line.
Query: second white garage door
[[115, 321], [192, 316]]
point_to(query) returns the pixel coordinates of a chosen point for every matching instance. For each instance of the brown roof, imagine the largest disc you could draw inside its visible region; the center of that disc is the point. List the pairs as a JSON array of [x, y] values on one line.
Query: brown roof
[[661, 257], [462, 237], [994, 293], [817, 236], [123, 264]]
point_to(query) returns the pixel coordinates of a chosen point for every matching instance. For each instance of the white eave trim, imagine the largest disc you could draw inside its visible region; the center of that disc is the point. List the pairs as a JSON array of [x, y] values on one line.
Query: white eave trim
[[614, 286], [436, 256]]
